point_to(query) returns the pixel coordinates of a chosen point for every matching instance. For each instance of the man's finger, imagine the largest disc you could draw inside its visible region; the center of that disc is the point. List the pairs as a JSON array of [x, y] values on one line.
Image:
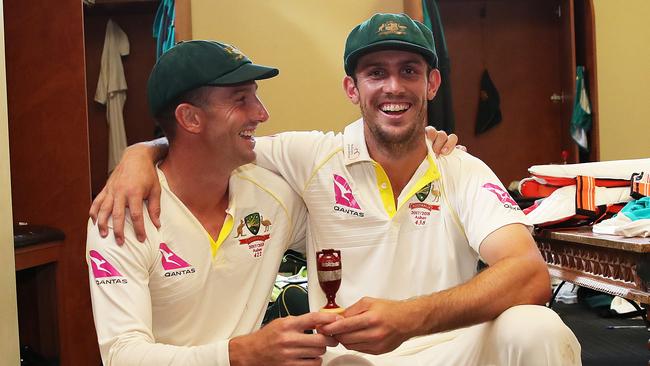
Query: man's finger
[[462, 147], [356, 338], [313, 340], [95, 206], [103, 215], [439, 142], [118, 219], [365, 347], [345, 325], [135, 210], [153, 205], [431, 132], [312, 320], [452, 140], [306, 352]]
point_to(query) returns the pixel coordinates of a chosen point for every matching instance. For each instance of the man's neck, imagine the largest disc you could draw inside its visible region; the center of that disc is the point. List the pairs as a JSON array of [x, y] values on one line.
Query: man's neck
[[399, 166], [200, 184]]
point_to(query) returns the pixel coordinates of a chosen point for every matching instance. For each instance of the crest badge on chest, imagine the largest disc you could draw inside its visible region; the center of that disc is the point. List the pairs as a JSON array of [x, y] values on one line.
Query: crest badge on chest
[[248, 232], [425, 204]]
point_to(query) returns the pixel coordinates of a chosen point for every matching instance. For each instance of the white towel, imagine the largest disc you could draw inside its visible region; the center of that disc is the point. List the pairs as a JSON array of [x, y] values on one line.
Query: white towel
[[111, 89]]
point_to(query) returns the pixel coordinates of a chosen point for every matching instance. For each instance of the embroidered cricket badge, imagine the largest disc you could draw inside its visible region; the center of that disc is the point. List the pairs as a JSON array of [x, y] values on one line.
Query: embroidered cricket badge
[[391, 27], [502, 196], [234, 53], [344, 200], [427, 199], [248, 232]]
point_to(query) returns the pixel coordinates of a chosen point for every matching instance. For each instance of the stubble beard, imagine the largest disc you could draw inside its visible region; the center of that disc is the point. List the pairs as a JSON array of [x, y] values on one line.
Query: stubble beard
[[398, 145]]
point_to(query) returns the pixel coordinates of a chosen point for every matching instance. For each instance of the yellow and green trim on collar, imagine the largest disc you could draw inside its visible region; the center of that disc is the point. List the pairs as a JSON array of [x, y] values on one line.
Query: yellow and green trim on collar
[[226, 229], [386, 190]]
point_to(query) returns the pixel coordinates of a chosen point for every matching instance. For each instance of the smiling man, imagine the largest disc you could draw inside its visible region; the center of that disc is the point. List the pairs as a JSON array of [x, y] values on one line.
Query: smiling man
[[189, 295], [415, 225]]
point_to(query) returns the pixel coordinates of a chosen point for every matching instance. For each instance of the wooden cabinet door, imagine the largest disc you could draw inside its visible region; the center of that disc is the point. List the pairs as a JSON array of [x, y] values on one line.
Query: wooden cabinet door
[[527, 46]]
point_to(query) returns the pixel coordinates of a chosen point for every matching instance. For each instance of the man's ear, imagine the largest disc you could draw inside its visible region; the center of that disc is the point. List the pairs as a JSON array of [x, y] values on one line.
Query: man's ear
[[351, 90], [433, 84], [189, 118]]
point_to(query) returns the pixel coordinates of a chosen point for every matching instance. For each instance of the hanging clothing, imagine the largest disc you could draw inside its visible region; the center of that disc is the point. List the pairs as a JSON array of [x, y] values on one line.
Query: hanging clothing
[[163, 27], [440, 109], [581, 118], [489, 108], [111, 89]]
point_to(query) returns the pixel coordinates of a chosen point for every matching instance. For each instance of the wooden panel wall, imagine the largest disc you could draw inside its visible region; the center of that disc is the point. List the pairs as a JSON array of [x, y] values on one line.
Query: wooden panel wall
[[517, 42], [48, 135], [137, 21]]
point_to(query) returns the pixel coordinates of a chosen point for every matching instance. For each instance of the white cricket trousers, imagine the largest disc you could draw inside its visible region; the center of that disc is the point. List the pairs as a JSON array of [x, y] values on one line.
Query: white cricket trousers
[[525, 335]]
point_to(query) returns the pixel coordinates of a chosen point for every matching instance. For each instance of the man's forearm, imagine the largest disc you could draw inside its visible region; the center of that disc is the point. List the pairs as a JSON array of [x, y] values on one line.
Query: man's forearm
[[511, 281], [156, 149]]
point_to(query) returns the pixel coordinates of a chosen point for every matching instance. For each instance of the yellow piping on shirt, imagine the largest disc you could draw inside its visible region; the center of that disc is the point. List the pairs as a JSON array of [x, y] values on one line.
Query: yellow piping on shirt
[[284, 207], [320, 165]]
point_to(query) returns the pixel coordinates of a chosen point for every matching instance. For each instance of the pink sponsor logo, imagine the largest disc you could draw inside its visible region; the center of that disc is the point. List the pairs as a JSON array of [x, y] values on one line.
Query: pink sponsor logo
[[343, 194], [501, 194], [101, 267], [170, 260]]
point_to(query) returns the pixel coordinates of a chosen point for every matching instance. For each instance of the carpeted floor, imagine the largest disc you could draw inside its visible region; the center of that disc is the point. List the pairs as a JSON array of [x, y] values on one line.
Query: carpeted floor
[[602, 346]]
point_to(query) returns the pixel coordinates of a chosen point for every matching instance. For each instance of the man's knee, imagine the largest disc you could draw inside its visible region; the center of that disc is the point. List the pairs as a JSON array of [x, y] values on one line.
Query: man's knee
[[536, 333]]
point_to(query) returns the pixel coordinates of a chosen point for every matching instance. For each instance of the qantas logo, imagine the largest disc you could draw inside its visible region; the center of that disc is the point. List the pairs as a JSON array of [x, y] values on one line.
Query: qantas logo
[[170, 260], [502, 196], [344, 199], [103, 271], [343, 194], [172, 263], [101, 267]]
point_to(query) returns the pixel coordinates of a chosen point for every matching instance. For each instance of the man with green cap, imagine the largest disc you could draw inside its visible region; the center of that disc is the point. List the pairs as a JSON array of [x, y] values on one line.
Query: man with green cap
[[411, 226], [192, 293]]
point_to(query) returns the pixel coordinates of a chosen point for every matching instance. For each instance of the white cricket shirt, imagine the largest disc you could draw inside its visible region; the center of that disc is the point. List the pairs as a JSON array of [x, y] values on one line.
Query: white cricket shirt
[[429, 242], [180, 296]]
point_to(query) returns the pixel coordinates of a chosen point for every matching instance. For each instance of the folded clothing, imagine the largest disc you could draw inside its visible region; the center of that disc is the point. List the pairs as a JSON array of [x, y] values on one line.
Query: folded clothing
[[561, 205], [632, 221]]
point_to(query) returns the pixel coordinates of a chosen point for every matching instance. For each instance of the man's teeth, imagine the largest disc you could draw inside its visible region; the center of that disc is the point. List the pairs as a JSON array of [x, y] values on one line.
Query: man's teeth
[[394, 107], [247, 133]]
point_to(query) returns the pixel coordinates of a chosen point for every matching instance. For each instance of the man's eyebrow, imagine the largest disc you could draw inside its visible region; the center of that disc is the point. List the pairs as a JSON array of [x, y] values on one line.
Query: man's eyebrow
[[409, 62], [239, 89], [372, 64]]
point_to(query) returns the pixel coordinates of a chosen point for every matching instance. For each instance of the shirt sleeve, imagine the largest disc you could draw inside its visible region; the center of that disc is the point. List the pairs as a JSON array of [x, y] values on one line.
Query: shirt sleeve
[[298, 212], [483, 203], [295, 155], [119, 277]]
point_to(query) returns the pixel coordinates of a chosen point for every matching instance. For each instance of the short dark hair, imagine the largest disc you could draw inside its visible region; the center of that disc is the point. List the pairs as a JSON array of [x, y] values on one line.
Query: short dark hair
[[166, 118]]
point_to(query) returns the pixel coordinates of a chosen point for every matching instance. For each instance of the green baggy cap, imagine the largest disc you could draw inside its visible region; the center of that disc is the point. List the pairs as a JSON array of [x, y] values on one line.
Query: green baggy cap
[[193, 64], [389, 31]]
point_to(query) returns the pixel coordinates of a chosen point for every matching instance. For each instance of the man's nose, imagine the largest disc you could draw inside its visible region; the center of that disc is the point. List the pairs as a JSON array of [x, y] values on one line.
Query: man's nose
[[393, 85], [261, 114]]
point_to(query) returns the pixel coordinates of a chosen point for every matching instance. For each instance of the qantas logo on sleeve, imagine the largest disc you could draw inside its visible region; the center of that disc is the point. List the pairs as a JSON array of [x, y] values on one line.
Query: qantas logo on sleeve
[[172, 263], [502, 196], [103, 271], [344, 199]]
